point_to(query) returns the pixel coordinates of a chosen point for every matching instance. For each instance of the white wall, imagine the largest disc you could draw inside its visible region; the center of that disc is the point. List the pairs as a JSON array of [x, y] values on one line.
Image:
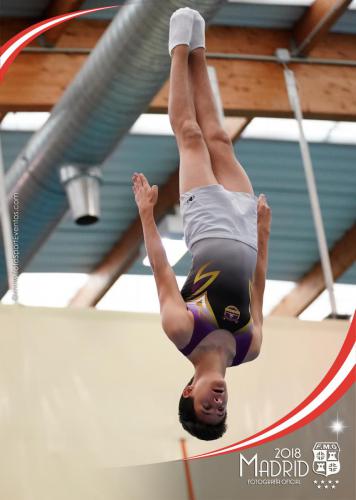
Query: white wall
[[96, 388]]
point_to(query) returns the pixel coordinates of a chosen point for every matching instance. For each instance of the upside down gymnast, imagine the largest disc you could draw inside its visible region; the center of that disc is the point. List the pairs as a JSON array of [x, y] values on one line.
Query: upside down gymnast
[[216, 319]]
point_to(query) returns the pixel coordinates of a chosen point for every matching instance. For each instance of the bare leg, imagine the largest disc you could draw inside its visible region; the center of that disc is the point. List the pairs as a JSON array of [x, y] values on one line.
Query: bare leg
[[195, 168], [227, 169]]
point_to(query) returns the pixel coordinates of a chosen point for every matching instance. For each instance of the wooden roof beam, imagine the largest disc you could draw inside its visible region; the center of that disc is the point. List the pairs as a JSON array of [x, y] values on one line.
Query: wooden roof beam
[[315, 23], [342, 256], [247, 88]]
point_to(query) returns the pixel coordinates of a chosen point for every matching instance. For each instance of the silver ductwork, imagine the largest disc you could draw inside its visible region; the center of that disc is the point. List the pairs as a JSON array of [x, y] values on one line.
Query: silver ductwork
[[117, 83]]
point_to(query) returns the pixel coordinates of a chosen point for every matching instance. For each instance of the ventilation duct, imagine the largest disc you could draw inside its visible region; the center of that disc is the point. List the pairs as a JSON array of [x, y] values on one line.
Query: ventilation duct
[[117, 83], [82, 186]]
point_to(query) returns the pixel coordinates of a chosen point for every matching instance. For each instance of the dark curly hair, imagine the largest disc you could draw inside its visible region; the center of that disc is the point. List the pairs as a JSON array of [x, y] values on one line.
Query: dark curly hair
[[195, 427]]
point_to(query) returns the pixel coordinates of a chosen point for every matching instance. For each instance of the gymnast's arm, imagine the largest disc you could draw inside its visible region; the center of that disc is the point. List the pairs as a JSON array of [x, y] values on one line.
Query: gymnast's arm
[[175, 318], [176, 321], [259, 278]]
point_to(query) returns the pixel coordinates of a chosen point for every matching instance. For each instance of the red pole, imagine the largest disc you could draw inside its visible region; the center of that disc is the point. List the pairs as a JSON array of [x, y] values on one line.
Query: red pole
[[188, 476]]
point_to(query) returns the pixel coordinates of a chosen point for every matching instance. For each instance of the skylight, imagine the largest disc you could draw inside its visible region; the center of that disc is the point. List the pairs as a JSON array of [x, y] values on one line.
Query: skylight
[[152, 124], [279, 129], [286, 129], [138, 293], [47, 289], [175, 249], [24, 121], [345, 296]]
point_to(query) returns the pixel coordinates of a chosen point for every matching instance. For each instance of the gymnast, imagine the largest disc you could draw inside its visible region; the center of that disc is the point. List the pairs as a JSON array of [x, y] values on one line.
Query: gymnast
[[216, 319]]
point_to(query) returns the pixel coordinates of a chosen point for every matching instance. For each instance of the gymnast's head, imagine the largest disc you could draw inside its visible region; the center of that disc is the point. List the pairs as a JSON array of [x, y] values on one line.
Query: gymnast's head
[[202, 407]]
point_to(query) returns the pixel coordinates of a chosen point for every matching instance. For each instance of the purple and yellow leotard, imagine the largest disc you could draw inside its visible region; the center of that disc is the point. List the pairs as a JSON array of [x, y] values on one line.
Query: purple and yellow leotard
[[218, 292]]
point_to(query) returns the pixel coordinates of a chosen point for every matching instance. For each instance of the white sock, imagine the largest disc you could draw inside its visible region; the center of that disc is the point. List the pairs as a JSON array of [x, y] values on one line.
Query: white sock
[[180, 28], [198, 35]]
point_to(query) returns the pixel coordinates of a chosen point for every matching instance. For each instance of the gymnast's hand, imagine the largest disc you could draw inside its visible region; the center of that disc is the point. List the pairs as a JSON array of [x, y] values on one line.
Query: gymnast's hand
[[145, 195], [264, 216]]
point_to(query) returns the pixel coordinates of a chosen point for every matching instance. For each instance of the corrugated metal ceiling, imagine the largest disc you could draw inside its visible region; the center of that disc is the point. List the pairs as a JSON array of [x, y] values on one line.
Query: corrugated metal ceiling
[[274, 167]]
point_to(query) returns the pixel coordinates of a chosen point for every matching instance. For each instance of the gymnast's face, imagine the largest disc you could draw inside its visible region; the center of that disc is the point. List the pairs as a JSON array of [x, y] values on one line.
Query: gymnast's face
[[210, 399]]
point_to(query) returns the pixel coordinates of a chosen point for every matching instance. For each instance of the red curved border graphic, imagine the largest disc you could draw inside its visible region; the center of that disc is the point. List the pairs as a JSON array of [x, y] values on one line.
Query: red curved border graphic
[[57, 19], [343, 387]]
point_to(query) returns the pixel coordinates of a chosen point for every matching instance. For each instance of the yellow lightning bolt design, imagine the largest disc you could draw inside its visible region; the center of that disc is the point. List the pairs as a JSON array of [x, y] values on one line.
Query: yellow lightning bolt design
[[212, 275]]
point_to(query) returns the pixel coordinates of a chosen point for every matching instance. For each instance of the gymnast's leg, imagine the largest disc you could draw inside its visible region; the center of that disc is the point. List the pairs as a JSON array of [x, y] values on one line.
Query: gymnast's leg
[[227, 169], [195, 167]]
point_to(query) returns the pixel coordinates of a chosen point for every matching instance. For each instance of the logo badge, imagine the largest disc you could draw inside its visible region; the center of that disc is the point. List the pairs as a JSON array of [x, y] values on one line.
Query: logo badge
[[190, 199], [326, 458], [232, 313]]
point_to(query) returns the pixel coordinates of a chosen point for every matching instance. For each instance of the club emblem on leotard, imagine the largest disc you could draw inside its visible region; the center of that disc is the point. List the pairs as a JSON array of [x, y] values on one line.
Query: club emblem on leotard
[[232, 313], [211, 276]]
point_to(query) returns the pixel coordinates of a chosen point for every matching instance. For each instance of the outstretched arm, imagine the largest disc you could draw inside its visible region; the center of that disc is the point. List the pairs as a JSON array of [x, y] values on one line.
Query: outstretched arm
[[146, 197], [174, 315], [259, 278]]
